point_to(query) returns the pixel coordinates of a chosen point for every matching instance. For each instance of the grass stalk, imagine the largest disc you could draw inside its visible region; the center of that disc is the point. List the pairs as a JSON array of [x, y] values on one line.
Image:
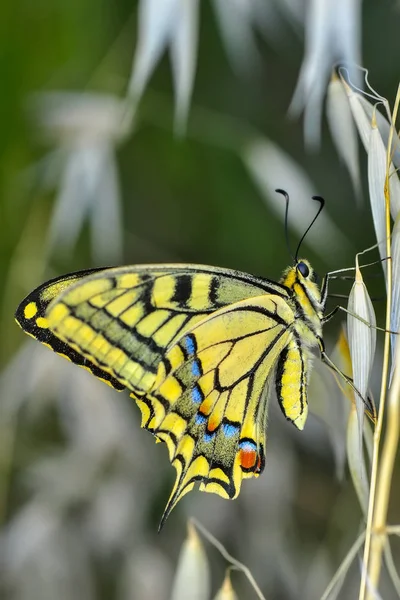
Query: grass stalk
[[381, 478]]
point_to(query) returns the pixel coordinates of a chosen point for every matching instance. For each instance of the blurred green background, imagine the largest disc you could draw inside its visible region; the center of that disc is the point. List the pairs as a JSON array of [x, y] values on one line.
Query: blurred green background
[[82, 487]]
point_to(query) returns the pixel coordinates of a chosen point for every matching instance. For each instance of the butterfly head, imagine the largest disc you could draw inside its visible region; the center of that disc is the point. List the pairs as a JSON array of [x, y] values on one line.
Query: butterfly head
[[301, 279]]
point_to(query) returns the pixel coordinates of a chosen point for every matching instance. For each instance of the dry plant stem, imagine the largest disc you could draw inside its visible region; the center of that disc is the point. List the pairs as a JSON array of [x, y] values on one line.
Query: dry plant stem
[[238, 565], [374, 469], [389, 452], [380, 488], [344, 567]]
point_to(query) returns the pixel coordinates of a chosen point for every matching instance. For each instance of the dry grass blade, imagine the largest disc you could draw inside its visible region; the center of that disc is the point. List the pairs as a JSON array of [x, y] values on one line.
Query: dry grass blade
[[391, 567], [337, 579], [362, 122], [389, 451], [376, 183], [394, 186], [234, 562], [382, 470], [356, 461], [395, 316], [384, 125]]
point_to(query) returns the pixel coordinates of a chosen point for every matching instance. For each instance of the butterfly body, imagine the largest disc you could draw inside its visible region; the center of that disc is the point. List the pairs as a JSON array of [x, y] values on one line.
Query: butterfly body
[[199, 348]]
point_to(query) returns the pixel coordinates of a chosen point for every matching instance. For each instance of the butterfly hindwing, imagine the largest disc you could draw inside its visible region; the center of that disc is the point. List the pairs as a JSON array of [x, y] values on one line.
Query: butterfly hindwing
[[208, 402], [291, 381]]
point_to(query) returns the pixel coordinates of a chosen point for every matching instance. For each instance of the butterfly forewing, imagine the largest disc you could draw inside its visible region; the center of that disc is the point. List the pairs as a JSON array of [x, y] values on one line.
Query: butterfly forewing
[[31, 316], [118, 322]]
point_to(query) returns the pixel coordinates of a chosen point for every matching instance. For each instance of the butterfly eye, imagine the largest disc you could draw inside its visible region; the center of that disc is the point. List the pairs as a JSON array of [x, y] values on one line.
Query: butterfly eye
[[303, 268]]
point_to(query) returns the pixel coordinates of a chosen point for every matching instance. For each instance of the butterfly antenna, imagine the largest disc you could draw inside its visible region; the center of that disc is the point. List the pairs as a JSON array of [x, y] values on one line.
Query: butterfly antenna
[[322, 204], [286, 196]]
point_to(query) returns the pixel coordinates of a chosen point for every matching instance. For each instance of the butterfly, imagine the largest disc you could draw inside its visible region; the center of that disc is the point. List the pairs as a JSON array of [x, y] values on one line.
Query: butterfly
[[199, 348]]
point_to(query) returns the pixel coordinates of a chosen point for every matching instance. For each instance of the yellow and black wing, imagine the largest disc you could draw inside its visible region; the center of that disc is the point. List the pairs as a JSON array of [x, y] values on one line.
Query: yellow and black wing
[[118, 322], [196, 346], [209, 399], [31, 316]]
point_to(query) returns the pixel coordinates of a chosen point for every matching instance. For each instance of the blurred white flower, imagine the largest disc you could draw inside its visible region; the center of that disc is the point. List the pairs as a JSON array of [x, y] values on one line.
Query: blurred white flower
[[269, 165], [86, 128], [237, 20], [44, 556], [163, 23], [332, 36], [90, 491], [174, 24], [343, 131]]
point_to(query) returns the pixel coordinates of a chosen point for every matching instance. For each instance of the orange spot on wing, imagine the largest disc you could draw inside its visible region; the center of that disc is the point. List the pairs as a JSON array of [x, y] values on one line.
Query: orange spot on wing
[[248, 458], [205, 407], [212, 424]]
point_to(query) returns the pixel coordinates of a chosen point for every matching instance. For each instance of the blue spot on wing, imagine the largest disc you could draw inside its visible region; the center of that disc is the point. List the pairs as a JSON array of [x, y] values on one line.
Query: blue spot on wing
[[200, 419], [197, 395], [196, 371], [248, 446], [208, 437], [229, 429], [190, 345]]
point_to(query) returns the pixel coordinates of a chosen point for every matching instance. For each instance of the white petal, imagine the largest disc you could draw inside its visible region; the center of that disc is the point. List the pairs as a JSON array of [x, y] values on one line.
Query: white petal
[[294, 10], [346, 36], [343, 131], [268, 18], [332, 35], [272, 168], [235, 21], [318, 30], [192, 573], [184, 57], [376, 184], [157, 19], [106, 217], [362, 342], [315, 68], [71, 205], [65, 116]]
